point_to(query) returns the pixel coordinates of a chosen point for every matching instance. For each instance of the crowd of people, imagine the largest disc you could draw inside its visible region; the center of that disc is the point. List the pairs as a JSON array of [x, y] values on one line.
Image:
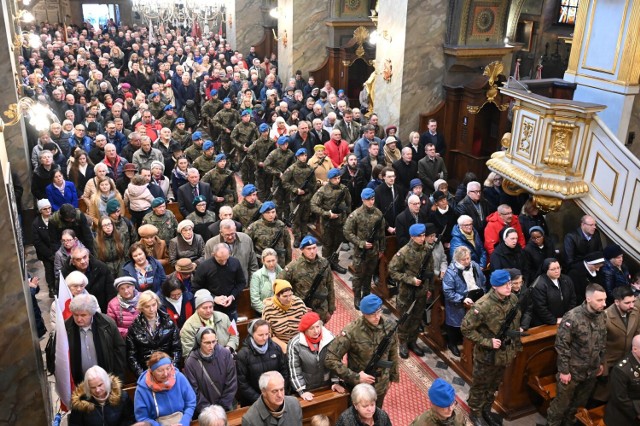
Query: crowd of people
[[253, 163]]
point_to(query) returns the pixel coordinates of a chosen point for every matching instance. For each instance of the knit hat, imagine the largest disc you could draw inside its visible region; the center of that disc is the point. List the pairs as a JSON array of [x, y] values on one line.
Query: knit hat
[[612, 251], [417, 229], [184, 224], [430, 229], [283, 139], [281, 285], [514, 273], [307, 321], [370, 304], [301, 151], [333, 173], [124, 280], [595, 258], [158, 201], [197, 200], [367, 194], [112, 206], [45, 203], [499, 278], [220, 157], [147, 230], [185, 265], [263, 127], [207, 145], [438, 195], [202, 296], [414, 182], [319, 148], [436, 184], [268, 205], [441, 393], [308, 241], [196, 135], [248, 190], [157, 164]]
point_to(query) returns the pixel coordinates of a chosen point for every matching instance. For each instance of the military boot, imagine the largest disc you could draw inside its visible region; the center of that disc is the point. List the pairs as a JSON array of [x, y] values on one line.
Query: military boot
[[477, 420], [356, 299], [335, 266], [416, 349], [404, 350], [491, 418], [296, 242]]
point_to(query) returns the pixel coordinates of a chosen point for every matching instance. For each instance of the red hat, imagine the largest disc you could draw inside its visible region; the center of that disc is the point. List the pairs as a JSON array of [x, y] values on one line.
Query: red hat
[[307, 321], [128, 95]]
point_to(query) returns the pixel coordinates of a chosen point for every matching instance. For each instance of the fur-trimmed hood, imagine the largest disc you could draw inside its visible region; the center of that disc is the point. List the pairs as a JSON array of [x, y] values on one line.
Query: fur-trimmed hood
[[82, 402]]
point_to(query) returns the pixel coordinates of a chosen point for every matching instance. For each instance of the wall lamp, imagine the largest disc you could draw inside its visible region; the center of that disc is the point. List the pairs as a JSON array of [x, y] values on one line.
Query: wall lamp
[[40, 116]]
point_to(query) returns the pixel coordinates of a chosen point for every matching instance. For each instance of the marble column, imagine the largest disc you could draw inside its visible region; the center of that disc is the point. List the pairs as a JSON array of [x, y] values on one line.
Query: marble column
[[245, 28], [413, 48], [306, 33], [604, 59], [23, 382]]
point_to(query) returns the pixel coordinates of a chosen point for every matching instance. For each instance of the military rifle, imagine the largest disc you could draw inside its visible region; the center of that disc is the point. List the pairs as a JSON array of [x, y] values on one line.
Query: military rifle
[[506, 334], [376, 360], [317, 280], [289, 220], [376, 226], [339, 207], [277, 238], [225, 183]]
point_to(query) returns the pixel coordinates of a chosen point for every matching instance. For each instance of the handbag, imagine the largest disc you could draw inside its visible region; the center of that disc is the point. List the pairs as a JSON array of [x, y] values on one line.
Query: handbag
[[169, 419], [50, 353]]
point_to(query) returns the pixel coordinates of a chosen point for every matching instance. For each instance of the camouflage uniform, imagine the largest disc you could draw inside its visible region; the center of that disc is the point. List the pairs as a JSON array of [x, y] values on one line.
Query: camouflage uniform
[[403, 268], [216, 177], [167, 224], [204, 163], [358, 341], [293, 179], [258, 152], [223, 120], [301, 273], [325, 199], [127, 233], [277, 162], [156, 109], [263, 233], [243, 212], [209, 110], [357, 228], [193, 152], [167, 121], [481, 324], [207, 217], [429, 418], [183, 137], [580, 343], [242, 136]]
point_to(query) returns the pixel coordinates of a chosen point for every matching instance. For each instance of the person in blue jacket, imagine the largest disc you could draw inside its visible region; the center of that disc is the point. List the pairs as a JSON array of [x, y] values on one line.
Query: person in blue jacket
[[61, 191], [463, 234]]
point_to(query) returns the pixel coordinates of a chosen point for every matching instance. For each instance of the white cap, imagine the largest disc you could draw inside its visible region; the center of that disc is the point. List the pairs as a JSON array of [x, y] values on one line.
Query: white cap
[[43, 204]]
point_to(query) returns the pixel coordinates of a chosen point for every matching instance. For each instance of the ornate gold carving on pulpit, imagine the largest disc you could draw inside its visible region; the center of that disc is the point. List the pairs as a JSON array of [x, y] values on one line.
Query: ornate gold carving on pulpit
[[492, 71], [559, 150], [505, 142], [547, 204], [526, 136], [512, 188]]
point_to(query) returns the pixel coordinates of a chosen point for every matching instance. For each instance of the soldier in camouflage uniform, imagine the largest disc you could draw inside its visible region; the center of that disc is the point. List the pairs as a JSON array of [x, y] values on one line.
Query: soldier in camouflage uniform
[[223, 183], [209, 110], [169, 117], [275, 165], [162, 219], [300, 182], [302, 272], [156, 106], [359, 341], [263, 232], [245, 211], [195, 150], [405, 270], [332, 202], [442, 411], [580, 343], [224, 122], [241, 138], [257, 154], [491, 356], [358, 227], [180, 135], [207, 160]]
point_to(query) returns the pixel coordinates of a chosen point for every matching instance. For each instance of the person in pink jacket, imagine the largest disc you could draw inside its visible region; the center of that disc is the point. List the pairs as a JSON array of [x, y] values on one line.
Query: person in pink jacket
[[123, 308], [496, 222], [138, 198]]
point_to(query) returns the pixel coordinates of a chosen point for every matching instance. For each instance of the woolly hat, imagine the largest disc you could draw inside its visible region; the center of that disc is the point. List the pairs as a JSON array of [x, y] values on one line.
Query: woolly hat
[[112, 206], [281, 285], [124, 280], [157, 164], [612, 251], [183, 224], [202, 296], [307, 321], [436, 184], [441, 393], [499, 278], [45, 203]]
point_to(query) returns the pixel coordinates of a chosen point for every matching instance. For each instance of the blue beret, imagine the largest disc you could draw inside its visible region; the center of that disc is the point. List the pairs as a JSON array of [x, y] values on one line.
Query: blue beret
[[335, 172], [268, 205], [154, 94], [196, 135], [308, 241], [263, 127], [158, 201], [207, 145], [367, 194], [248, 189], [417, 229], [283, 139], [340, 92], [213, 92], [197, 200], [245, 112], [301, 151], [441, 393], [415, 182], [180, 120], [500, 277], [220, 157], [370, 304], [226, 100], [168, 107]]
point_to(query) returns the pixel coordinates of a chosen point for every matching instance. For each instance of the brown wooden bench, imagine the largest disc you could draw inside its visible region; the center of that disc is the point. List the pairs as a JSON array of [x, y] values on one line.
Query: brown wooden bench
[[540, 373], [593, 417]]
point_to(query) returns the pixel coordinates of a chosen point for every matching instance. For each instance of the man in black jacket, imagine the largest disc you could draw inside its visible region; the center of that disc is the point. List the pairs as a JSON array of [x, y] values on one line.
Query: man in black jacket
[[68, 217], [94, 339], [223, 276], [43, 241], [582, 241], [405, 168], [390, 198], [410, 216], [188, 191], [475, 206], [100, 278]]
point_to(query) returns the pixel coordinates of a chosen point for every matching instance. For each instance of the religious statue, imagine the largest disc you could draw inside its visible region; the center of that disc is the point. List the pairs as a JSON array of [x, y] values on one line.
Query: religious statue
[[369, 86]]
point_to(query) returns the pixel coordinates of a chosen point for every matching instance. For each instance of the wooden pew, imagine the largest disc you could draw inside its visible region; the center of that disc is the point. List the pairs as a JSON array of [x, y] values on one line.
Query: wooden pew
[[175, 209], [593, 417], [382, 289], [540, 374]]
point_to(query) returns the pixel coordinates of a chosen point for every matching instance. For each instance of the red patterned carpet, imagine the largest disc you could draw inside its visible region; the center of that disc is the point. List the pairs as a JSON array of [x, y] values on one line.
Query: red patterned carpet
[[407, 399]]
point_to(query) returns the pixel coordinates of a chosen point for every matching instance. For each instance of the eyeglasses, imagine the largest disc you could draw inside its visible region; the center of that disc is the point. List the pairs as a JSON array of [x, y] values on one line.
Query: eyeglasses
[[475, 191], [67, 241], [466, 224]]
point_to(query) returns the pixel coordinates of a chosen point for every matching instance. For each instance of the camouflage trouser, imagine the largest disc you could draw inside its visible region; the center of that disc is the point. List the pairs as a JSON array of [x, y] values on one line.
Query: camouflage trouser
[[486, 380], [281, 198], [365, 264], [564, 406], [408, 332], [263, 182], [332, 236], [246, 168], [225, 142], [301, 218]]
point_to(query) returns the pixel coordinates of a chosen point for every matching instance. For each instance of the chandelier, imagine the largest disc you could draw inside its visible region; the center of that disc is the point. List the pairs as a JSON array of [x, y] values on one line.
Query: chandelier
[[179, 12]]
